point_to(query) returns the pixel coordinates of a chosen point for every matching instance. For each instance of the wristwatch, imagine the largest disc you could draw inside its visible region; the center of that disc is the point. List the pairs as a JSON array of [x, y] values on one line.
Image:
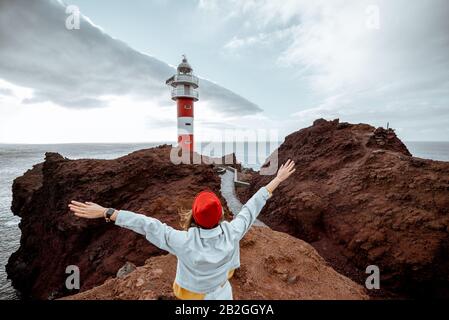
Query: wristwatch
[[108, 214]]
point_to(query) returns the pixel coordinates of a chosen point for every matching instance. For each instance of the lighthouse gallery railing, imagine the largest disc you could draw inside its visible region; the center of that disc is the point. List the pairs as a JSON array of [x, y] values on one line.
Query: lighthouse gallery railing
[[186, 78], [182, 92]]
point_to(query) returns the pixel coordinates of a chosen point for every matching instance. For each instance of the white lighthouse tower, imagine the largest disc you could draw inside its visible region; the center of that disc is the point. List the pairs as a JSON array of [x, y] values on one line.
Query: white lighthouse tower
[[184, 91]]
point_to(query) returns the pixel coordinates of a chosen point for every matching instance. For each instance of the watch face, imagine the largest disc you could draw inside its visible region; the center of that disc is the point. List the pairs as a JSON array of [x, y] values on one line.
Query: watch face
[[109, 213]]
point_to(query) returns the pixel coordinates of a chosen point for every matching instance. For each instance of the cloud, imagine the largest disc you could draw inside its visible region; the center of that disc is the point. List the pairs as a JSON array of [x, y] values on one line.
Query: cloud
[[332, 62], [78, 68], [6, 92], [47, 122], [361, 60], [262, 39]]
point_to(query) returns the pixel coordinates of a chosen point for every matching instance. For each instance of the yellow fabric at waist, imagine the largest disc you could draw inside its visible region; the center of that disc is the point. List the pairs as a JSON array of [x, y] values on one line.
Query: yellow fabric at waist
[[185, 294]]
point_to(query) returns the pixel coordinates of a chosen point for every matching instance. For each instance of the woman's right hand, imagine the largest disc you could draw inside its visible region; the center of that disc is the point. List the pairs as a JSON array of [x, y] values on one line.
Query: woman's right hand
[[286, 170], [88, 210]]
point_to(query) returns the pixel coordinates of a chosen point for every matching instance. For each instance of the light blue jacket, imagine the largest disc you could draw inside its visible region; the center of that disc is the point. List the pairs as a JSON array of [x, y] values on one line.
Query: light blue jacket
[[204, 255]]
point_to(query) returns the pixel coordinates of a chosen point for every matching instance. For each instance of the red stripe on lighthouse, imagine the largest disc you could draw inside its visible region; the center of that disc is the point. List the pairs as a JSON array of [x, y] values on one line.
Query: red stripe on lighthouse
[[185, 107]]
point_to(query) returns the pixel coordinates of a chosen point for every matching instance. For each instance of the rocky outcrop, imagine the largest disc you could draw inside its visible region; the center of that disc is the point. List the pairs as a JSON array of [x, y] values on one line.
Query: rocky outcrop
[[274, 266], [24, 188], [145, 181], [358, 197], [361, 199]]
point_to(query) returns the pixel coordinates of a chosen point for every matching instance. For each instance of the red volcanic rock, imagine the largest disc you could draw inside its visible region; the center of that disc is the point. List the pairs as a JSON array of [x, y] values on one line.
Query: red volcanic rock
[[274, 266], [24, 188], [360, 198], [145, 181]]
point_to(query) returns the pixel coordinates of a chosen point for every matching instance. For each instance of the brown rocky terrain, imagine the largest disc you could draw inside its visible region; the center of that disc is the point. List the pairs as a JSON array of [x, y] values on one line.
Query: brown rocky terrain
[[274, 266], [360, 198], [145, 181]]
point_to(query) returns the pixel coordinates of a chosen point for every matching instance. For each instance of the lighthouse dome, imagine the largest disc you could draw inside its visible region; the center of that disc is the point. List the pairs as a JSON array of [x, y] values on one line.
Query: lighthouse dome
[[184, 66]]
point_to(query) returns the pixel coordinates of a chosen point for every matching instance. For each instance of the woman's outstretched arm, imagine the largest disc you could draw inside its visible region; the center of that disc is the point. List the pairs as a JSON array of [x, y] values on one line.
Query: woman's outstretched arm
[[158, 233], [90, 210], [246, 217]]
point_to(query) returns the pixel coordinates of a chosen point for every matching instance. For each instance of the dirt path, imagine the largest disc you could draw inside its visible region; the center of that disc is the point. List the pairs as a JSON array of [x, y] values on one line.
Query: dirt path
[[228, 192]]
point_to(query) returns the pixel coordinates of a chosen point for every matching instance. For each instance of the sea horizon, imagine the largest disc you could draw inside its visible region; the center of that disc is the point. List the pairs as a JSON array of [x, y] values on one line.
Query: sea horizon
[[173, 142]]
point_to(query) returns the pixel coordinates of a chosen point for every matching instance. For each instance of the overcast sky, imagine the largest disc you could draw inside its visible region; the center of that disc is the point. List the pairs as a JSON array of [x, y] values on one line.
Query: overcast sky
[[270, 64]]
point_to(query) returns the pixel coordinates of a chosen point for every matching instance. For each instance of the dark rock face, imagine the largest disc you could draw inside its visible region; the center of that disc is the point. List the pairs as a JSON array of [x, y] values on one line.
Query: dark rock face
[[357, 190], [52, 238]]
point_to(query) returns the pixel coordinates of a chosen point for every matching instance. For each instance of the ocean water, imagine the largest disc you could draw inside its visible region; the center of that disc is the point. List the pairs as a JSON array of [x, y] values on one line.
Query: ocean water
[[438, 150], [16, 159]]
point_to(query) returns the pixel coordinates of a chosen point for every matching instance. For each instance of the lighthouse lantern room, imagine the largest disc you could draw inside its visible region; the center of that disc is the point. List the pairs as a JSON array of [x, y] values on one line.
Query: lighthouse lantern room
[[184, 91]]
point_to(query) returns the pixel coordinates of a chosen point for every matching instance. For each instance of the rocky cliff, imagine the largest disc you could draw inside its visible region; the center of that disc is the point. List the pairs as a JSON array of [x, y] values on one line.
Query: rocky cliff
[[145, 181], [360, 198], [274, 265]]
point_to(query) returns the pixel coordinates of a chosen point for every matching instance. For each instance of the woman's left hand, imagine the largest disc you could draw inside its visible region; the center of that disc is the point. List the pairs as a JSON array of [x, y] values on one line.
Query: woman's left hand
[[88, 210]]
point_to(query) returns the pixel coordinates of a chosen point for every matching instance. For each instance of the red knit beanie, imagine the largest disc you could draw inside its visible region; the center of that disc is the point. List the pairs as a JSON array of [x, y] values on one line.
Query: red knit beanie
[[207, 209]]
